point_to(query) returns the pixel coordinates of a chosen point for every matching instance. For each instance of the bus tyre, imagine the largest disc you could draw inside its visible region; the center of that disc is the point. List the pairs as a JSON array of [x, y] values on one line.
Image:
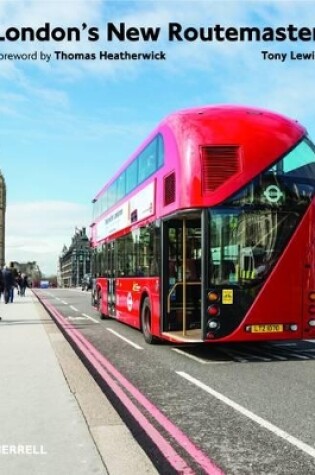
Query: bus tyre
[[146, 321], [99, 305]]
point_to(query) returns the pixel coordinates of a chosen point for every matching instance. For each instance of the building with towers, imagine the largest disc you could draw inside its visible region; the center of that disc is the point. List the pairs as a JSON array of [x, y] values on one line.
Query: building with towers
[[75, 260]]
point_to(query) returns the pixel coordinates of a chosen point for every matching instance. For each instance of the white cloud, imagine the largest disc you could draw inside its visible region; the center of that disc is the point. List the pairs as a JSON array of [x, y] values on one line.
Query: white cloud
[[35, 12], [37, 231]]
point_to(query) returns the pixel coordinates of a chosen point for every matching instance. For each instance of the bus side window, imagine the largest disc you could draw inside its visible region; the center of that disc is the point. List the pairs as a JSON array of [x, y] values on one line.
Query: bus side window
[[154, 267], [140, 272]]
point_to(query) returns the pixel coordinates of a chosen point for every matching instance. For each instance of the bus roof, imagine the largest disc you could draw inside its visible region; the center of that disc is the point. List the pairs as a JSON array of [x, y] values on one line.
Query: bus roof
[[176, 119]]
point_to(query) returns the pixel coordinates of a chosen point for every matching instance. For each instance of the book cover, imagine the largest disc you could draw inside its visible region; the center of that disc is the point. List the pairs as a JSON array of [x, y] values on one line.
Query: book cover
[[83, 83]]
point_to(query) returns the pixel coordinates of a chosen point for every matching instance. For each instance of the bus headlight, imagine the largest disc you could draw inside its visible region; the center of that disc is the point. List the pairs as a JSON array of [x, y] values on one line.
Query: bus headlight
[[213, 324], [311, 323]]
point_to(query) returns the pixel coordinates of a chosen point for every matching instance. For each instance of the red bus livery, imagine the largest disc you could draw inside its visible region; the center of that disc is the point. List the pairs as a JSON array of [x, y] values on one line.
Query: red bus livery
[[207, 233]]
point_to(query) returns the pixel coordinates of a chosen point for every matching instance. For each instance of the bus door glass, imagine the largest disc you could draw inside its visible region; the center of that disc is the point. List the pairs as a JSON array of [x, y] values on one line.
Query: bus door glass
[[182, 294]]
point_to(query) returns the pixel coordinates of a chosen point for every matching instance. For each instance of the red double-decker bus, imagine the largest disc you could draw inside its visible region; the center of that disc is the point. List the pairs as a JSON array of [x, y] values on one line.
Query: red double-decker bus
[[207, 233]]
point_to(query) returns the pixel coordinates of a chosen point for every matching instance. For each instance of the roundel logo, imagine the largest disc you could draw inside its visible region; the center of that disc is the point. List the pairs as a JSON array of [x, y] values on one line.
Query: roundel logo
[[129, 301], [273, 194]]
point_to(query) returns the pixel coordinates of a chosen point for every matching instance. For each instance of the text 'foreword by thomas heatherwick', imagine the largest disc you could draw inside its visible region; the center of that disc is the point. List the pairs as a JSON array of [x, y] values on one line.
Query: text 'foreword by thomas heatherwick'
[[93, 56]]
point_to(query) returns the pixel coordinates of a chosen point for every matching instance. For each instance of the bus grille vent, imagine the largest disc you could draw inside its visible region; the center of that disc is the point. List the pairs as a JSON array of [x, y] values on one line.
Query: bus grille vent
[[218, 163], [169, 189]]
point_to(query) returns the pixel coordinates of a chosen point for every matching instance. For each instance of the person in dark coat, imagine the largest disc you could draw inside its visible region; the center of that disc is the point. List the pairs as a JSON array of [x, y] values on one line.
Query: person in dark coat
[[23, 284], [8, 283], [15, 274]]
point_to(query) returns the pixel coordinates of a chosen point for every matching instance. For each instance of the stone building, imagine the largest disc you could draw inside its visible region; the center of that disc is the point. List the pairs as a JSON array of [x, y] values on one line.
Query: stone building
[[31, 269], [2, 219], [75, 260]]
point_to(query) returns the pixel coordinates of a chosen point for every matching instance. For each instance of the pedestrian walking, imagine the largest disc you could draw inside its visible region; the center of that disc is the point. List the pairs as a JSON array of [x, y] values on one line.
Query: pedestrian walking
[[23, 284], [19, 281], [14, 274], [8, 284]]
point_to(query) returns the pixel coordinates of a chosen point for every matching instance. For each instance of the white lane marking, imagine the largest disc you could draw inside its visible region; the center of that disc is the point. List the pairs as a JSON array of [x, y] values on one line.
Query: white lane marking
[[192, 357], [69, 317], [65, 303], [57, 298], [259, 420], [125, 339], [74, 308], [91, 318]]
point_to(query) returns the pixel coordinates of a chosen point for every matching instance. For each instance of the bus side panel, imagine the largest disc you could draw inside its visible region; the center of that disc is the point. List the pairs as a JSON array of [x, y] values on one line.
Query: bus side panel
[[281, 298], [309, 282], [129, 296], [127, 301]]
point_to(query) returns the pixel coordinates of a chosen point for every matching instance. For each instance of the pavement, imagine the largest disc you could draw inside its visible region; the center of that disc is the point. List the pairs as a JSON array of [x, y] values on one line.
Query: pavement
[[54, 419]]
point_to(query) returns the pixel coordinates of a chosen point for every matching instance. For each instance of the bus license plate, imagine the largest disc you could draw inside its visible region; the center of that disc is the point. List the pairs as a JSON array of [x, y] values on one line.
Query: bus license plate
[[270, 328]]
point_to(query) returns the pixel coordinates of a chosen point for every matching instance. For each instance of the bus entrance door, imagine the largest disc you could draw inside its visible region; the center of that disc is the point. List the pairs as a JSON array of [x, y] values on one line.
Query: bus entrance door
[[182, 278], [111, 297]]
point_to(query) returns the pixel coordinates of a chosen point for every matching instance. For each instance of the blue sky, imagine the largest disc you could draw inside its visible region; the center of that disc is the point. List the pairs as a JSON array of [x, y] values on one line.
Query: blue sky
[[66, 126]]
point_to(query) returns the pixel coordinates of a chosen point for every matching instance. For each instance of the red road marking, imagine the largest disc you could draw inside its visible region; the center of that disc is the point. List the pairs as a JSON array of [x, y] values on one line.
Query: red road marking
[[104, 367]]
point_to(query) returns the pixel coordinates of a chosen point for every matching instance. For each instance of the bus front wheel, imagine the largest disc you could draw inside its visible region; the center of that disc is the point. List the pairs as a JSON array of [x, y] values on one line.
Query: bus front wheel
[[146, 321]]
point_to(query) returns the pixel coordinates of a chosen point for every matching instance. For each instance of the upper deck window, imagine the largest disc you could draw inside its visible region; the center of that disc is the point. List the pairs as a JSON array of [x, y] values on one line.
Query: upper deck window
[[142, 167], [299, 162], [289, 182], [160, 151], [147, 161], [131, 176], [111, 195], [121, 186], [103, 202]]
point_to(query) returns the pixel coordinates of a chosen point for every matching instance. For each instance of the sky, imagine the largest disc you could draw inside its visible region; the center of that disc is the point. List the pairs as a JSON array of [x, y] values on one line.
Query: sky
[[66, 126]]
